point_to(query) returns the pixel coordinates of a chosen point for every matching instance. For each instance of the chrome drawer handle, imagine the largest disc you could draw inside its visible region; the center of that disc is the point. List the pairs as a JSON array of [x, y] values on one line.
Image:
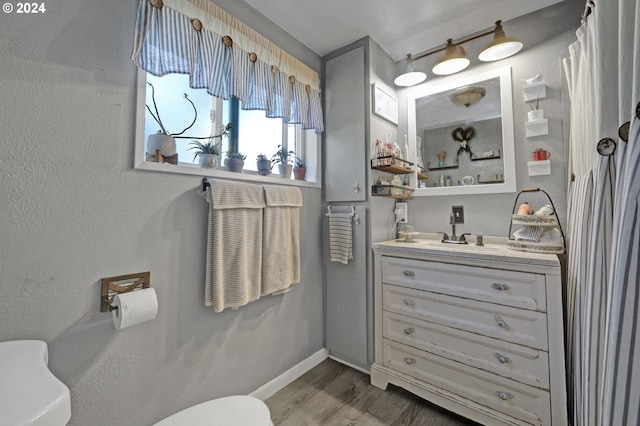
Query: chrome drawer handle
[[410, 361], [503, 359], [408, 302], [409, 273], [500, 287], [501, 323], [409, 330], [505, 396]]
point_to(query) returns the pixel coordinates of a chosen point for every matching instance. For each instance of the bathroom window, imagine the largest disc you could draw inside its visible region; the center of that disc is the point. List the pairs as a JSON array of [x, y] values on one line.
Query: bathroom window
[[253, 134]]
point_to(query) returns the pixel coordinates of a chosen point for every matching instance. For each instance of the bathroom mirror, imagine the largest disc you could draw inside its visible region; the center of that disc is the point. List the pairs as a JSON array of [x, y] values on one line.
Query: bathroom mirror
[[462, 131]]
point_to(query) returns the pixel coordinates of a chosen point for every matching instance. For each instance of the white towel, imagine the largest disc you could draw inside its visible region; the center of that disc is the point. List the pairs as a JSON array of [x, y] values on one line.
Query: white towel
[[233, 274], [341, 237], [281, 242]]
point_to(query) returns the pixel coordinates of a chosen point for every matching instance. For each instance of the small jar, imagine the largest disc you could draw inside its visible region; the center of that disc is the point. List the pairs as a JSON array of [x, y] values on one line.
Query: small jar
[[524, 209]]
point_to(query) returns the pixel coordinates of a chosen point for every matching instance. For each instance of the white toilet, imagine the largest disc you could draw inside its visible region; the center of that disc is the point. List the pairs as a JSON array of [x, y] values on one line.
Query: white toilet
[[236, 410], [30, 395], [29, 392]]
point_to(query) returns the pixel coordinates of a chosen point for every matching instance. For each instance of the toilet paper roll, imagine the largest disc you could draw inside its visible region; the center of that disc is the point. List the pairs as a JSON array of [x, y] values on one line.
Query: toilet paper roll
[[134, 308]]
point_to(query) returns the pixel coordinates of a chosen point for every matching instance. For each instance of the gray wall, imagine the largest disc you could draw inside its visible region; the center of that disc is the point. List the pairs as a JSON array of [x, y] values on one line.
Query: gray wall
[[489, 214], [73, 211]]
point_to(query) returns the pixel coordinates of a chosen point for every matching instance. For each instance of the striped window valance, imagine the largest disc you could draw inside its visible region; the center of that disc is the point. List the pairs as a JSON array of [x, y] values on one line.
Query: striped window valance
[[227, 58]]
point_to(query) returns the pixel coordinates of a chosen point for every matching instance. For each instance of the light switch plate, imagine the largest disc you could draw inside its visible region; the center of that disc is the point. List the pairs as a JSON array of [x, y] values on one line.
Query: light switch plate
[[458, 214]]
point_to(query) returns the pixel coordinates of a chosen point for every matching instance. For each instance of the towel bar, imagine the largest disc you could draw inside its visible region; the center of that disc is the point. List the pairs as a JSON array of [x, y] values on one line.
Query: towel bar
[[354, 215]]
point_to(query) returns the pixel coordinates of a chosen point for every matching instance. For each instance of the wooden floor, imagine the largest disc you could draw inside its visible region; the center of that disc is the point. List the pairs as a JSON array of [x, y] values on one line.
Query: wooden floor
[[334, 394]]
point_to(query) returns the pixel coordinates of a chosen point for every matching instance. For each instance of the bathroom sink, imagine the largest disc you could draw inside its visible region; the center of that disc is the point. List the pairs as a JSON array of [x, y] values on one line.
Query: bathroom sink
[[467, 248]]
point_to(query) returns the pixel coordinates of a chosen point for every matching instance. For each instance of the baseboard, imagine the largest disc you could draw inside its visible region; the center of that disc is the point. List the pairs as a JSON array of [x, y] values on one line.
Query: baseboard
[[348, 364], [290, 375]]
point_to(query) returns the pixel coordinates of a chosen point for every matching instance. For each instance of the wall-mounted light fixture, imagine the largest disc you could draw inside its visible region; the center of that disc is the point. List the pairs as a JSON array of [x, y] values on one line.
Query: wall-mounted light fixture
[[455, 58], [410, 77]]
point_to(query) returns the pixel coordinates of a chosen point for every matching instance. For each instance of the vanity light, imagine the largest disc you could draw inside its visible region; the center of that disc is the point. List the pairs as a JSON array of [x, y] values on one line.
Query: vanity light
[[501, 47], [455, 58], [410, 77]]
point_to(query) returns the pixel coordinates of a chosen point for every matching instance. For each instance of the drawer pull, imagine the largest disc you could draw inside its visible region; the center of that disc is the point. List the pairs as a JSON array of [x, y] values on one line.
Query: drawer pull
[[501, 323], [503, 359], [408, 273], [409, 330], [408, 302], [505, 396], [500, 287], [410, 361]]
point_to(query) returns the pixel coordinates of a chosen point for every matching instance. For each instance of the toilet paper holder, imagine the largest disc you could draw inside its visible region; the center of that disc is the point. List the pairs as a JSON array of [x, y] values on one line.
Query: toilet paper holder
[[121, 284]]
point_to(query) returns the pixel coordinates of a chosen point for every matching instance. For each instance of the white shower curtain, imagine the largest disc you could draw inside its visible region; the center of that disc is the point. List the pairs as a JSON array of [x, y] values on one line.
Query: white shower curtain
[[603, 342]]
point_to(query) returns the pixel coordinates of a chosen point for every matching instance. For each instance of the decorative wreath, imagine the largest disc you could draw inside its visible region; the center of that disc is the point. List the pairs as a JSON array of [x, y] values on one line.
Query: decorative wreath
[[463, 136]]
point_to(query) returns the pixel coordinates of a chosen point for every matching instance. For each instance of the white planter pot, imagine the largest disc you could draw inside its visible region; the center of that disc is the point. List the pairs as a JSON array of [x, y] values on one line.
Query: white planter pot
[[535, 115], [165, 143], [208, 161], [285, 170]]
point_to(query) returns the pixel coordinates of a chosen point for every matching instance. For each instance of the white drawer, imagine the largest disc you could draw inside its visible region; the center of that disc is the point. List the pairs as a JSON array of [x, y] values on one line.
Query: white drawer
[[520, 326], [529, 404], [518, 289], [520, 363]]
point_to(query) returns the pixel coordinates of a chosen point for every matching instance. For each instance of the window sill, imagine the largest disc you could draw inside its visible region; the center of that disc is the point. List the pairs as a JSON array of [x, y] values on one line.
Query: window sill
[[194, 170]]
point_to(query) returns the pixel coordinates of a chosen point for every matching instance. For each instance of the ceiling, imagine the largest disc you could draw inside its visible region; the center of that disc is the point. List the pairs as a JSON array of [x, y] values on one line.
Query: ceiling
[[398, 26]]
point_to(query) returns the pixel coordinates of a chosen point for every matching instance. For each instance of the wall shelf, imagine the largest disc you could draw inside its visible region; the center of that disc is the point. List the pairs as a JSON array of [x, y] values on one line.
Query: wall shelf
[[387, 191], [443, 168], [396, 165], [539, 168], [537, 128], [534, 91], [493, 157]]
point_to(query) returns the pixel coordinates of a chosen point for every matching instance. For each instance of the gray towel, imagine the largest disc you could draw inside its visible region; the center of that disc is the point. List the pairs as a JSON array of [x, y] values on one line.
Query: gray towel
[[341, 237]]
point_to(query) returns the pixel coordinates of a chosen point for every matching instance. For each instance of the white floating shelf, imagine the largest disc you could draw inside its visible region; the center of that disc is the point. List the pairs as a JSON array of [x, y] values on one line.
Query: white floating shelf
[[539, 168], [537, 128], [534, 91]]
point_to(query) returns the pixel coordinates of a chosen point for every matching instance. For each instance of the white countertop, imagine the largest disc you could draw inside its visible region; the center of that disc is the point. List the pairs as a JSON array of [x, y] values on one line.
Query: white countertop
[[495, 249]]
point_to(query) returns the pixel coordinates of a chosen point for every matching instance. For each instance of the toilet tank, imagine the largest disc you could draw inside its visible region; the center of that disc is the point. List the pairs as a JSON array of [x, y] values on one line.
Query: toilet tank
[[30, 395]]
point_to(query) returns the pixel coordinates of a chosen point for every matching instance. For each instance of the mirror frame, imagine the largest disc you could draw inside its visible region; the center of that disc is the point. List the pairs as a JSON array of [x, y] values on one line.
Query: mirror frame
[[508, 141]]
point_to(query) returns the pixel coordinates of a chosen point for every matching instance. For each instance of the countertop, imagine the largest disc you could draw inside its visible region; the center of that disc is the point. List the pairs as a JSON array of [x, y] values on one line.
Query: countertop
[[494, 249]]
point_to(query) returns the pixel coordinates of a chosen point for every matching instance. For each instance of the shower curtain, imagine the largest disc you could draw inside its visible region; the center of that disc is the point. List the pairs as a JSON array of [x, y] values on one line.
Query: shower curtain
[[603, 340]]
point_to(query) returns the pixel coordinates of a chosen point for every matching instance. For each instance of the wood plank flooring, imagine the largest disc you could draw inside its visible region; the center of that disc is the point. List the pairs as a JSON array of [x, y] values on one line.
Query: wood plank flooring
[[334, 394]]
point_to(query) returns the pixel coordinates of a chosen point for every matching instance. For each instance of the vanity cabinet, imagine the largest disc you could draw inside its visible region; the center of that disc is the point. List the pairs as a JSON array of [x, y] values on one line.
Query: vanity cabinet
[[481, 336]]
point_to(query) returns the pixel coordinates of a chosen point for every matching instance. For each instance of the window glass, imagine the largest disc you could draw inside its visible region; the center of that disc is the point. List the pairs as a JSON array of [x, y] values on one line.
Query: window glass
[[176, 113], [253, 133]]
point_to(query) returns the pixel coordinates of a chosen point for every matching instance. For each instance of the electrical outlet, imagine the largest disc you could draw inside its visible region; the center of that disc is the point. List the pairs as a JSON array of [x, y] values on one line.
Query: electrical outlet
[[458, 214], [402, 212]]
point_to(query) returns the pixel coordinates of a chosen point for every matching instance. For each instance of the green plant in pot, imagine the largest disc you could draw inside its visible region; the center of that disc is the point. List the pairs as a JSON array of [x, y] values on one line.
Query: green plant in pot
[[235, 161], [264, 165], [300, 169], [209, 151], [283, 159]]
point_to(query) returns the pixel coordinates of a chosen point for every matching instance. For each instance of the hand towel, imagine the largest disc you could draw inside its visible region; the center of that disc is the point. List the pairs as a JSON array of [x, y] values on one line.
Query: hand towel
[[233, 275], [341, 237], [281, 242]]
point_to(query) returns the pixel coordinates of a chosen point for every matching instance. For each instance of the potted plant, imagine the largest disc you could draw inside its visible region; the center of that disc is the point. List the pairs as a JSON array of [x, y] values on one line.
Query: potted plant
[[234, 161], [264, 165], [207, 153], [282, 158], [300, 169]]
